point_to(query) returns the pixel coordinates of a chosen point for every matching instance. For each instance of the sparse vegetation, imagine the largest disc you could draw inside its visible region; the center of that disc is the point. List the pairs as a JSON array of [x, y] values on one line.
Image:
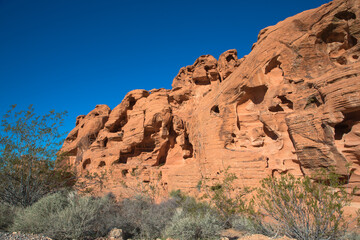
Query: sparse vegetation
[[33, 200], [306, 209], [67, 216], [140, 218], [29, 144], [299, 206], [197, 225], [228, 200]]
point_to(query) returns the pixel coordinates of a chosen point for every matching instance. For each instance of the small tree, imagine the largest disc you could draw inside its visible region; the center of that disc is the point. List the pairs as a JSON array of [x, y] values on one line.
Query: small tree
[[28, 149], [306, 209]]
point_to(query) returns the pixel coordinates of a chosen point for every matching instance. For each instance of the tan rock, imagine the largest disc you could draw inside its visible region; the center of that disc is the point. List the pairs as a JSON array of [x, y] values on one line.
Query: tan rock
[[291, 105], [262, 237], [115, 234]]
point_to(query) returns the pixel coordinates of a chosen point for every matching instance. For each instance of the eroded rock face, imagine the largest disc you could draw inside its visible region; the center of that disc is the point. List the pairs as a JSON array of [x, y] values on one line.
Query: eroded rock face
[[291, 105]]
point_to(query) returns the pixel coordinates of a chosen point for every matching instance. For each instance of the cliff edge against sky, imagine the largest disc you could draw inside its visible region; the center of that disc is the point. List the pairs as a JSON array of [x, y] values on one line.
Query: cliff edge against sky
[[291, 105]]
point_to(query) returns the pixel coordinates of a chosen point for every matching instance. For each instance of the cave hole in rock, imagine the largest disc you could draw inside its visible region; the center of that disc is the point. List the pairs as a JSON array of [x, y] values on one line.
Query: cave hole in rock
[[312, 100], [341, 60], [230, 58], [355, 56], [124, 172], [328, 35], [119, 123], [350, 119], [215, 110], [132, 102], [286, 101], [146, 145], [123, 158], [352, 41], [103, 143], [271, 134], [233, 135], [276, 108], [86, 163], [341, 129], [255, 94], [273, 63], [203, 81], [72, 152], [345, 15], [96, 114], [207, 68], [102, 164], [188, 146]]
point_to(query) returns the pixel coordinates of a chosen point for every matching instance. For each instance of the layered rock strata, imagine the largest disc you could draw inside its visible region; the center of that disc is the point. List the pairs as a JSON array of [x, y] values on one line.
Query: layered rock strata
[[291, 105]]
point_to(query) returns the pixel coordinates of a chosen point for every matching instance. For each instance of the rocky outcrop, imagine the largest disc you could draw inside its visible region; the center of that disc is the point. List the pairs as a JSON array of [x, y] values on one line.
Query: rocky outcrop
[[291, 105]]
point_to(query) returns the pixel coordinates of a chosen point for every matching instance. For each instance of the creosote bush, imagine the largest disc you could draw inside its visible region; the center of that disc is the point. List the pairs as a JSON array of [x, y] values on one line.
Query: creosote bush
[[141, 218], [306, 209], [193, 220], [67, 216], [197, 225]]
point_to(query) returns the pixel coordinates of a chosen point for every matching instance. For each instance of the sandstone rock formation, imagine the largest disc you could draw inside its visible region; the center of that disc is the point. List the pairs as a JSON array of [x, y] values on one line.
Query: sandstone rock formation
[[291, 105]]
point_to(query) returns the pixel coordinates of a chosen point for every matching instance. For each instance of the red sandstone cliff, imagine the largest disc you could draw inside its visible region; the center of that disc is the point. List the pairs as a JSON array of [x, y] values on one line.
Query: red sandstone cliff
[[291, 105]]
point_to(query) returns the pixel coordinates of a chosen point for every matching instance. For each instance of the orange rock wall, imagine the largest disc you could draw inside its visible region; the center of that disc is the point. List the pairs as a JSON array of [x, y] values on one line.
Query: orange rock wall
[[291, 105]]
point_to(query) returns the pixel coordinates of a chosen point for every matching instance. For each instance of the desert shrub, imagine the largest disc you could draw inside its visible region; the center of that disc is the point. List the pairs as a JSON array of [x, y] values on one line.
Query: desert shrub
[[67, 216], [140, 218], [29, 144], [306, 209], [244, 223], [197, 225], [83, 217], [352, 236], [7, 213], [228, 200], [39, 217], [193, 219], [156, 218]]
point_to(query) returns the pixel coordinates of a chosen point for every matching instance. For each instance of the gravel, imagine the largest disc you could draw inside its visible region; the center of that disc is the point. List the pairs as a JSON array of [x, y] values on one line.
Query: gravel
[[21, 236]]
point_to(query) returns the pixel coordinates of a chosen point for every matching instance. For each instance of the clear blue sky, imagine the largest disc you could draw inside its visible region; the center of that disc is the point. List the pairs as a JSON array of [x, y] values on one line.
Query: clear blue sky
[[74, 54]]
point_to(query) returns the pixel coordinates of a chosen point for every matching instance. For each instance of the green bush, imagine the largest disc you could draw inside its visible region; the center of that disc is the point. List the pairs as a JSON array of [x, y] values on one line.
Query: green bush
[[243, 223], [67, 216], [83, 217], [304, 208], [39, 217], [140, 218], [192, 226], [7, 213]]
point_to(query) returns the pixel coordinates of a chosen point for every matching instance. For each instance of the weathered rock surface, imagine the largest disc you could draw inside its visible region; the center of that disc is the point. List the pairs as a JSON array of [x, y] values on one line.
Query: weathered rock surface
[[291, 105]]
